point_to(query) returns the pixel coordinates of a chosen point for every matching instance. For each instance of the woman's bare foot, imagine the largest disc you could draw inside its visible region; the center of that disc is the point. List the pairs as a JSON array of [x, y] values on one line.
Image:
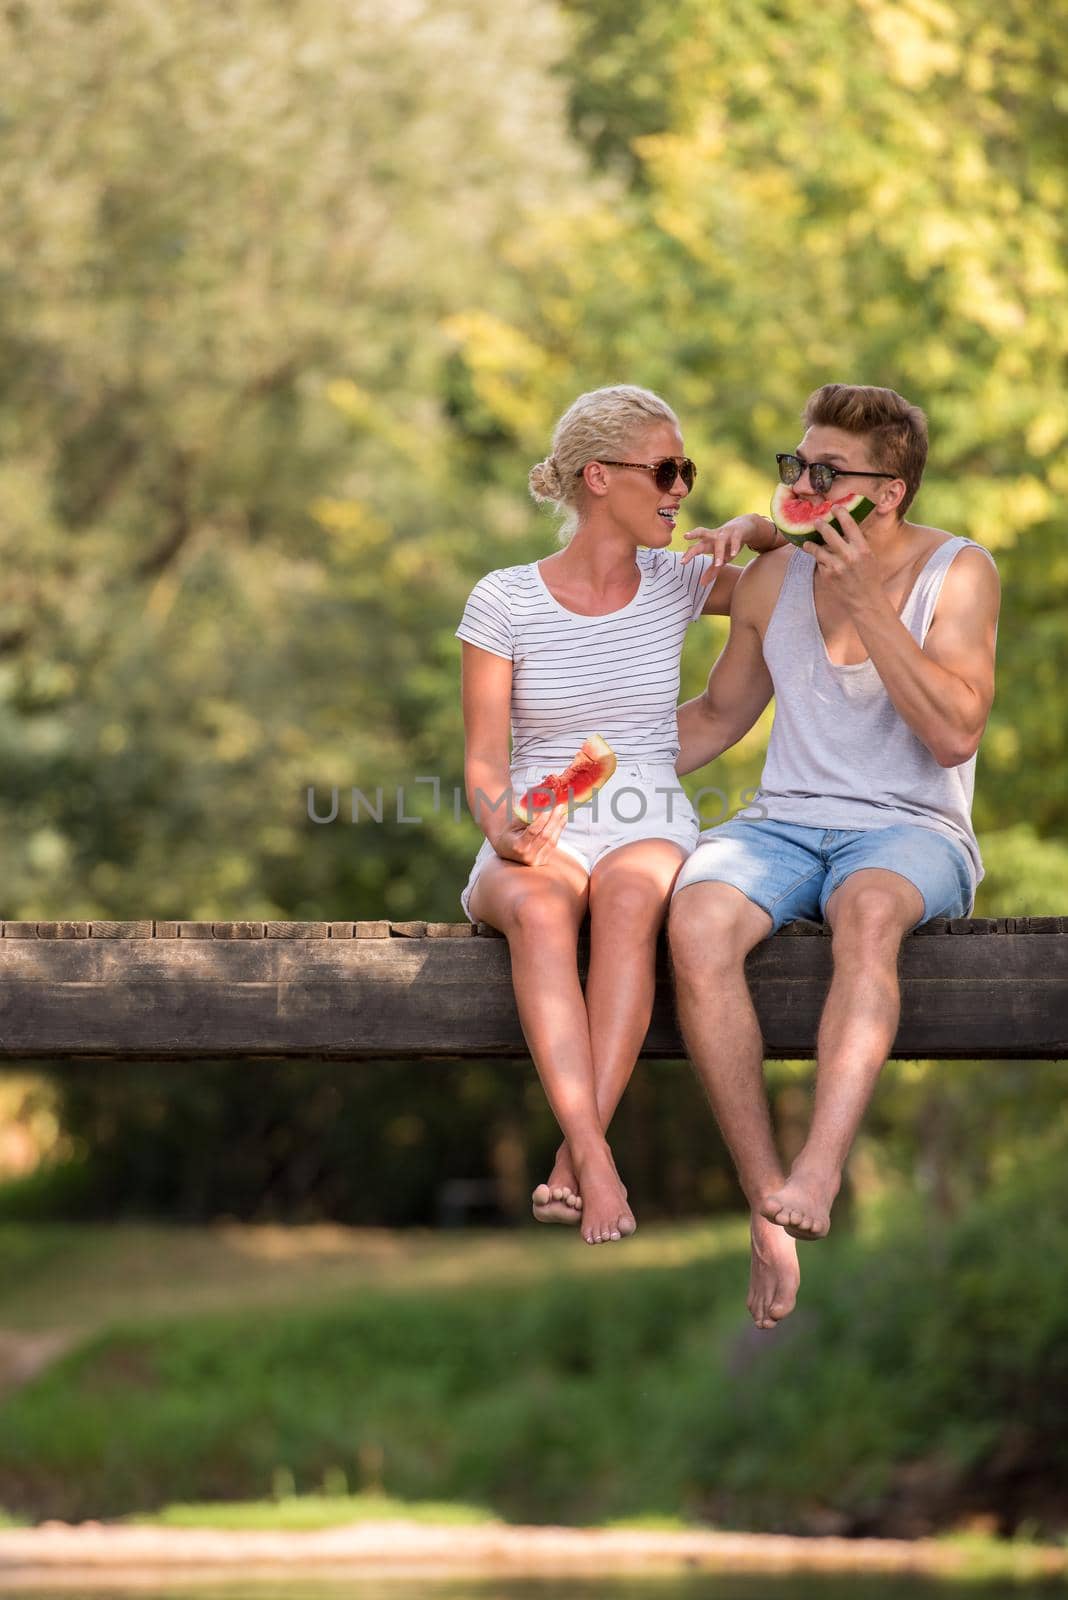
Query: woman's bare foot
[[774, 1276], [605, 1212], [556, 1203], [558, 1198], [802, 1205]]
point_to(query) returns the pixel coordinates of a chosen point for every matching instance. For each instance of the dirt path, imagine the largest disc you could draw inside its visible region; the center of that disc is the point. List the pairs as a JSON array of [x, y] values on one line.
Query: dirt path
[[94, 1555], [24, 1355]]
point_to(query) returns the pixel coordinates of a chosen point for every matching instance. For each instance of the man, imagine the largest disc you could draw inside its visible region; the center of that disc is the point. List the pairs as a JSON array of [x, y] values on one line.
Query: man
[[879, 649]]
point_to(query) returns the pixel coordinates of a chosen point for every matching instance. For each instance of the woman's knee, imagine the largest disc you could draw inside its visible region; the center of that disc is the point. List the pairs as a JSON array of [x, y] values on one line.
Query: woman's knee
[[631, 904], [545, 911]]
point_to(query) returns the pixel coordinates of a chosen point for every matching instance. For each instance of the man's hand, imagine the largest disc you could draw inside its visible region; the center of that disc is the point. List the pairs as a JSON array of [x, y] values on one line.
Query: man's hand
[[848, 563], [723, 544]]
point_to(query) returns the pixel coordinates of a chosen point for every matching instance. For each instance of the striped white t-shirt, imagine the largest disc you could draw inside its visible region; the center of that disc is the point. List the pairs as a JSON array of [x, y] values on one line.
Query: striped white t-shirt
[[616, 675]]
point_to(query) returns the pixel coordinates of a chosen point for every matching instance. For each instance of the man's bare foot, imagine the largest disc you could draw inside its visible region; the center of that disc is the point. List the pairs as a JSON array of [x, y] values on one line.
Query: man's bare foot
[[556, 1203], [605, 1212], [802, 1205], [774, 1276]]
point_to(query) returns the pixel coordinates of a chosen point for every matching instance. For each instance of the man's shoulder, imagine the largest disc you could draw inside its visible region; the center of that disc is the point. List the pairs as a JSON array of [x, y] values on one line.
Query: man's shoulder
[[758, 588], [969, 597], [974, 555], [970, 567]]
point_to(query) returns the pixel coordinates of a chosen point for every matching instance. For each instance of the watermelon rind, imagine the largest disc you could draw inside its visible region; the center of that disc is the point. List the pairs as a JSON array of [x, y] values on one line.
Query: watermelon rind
[[595, 760], [857, 505]]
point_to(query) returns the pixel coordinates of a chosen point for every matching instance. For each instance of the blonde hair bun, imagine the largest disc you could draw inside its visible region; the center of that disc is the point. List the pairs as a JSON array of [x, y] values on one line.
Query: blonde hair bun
[[544, 480]]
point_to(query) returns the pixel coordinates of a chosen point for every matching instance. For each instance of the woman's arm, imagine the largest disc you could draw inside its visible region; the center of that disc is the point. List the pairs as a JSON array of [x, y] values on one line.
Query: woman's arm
[[486, 698], [723, 544]]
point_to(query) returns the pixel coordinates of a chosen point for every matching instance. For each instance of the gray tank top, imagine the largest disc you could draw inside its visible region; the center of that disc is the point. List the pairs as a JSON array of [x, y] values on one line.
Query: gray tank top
[[840, 754]]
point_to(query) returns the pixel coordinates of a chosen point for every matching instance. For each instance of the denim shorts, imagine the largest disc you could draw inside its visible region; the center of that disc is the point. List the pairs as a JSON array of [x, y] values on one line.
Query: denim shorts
[[641, 800], [791, 871]]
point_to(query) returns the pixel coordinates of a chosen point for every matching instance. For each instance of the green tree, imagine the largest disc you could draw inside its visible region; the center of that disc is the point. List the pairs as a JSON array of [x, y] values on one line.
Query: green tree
[[229, 513]]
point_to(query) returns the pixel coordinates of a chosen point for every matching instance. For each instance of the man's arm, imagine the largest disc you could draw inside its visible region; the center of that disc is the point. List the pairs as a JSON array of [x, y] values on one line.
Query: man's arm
[[947, 688], [739, 685], [944, 691]]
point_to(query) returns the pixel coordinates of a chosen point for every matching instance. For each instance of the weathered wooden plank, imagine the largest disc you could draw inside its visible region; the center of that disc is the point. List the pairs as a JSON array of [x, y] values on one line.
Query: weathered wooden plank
[[63, 930], [1042, 924], [361, 999], [20, 930], [408, 930], [370, 930], [298, 930], [120, 930]]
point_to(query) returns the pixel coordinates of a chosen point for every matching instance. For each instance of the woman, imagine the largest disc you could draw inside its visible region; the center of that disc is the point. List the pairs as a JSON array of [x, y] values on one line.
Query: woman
[[588, 641]]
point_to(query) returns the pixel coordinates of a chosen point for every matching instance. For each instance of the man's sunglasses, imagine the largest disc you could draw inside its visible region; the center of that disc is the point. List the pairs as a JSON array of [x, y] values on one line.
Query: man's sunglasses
[[664, 472], [821, 474]]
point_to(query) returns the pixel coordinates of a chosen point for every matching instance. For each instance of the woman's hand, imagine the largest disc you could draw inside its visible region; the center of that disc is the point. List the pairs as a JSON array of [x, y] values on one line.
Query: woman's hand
[[723, 544], [532, 842]]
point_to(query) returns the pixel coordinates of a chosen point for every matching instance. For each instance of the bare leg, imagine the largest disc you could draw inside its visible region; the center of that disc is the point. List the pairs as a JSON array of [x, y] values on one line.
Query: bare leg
[[629, 892], [869, 914], [539, 910], [711, 928]]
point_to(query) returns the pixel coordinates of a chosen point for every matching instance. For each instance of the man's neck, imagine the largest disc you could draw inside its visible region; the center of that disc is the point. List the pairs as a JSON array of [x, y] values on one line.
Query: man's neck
[[895, 545]]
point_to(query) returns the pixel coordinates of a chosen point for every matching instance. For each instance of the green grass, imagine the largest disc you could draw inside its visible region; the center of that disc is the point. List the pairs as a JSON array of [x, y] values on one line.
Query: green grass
[[134, 1272], [314, 1511], [537, 1380]]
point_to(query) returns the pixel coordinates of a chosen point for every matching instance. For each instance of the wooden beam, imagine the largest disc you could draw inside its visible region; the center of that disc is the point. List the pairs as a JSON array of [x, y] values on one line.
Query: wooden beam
[[971, 989]]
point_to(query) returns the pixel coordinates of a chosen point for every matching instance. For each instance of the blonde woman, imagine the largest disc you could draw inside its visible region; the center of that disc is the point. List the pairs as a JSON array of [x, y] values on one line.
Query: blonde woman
[[588, 641]]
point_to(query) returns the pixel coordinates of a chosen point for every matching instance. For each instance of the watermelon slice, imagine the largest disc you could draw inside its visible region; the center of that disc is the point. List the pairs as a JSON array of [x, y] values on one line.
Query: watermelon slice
[[593, 765], [796, 518]]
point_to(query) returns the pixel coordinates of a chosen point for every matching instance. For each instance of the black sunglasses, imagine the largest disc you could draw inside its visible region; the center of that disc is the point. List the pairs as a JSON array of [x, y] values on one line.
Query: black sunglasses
[[821, 474], [665, 471]]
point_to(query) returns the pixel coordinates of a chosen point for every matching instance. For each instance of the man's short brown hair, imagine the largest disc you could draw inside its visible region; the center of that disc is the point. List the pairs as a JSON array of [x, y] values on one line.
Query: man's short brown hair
[[897, 429]]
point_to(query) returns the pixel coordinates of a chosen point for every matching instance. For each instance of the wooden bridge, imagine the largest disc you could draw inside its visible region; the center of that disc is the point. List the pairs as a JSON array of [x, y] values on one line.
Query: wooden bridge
[[972, 989]]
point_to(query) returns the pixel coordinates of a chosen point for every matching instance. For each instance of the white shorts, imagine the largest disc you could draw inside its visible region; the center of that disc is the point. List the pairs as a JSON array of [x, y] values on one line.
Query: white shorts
[[641, 800]]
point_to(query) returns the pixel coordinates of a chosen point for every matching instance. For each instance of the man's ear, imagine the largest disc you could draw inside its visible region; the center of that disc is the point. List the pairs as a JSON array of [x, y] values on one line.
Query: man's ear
[[892, 495]]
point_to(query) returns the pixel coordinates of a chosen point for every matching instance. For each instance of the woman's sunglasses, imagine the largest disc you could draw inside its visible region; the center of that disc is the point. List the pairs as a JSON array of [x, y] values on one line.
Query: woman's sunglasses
[[664, 472], [821, 474]]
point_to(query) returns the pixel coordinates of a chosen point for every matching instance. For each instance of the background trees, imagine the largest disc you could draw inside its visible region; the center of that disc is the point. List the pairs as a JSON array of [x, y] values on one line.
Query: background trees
[[291, 299]]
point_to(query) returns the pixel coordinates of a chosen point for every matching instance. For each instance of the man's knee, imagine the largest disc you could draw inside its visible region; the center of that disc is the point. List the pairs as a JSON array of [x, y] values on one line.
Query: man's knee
[[874, 906], [713, 925]]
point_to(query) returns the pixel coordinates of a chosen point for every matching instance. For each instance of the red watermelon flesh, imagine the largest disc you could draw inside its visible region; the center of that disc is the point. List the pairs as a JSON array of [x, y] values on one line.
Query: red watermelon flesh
[[796, 517], [593, 765]]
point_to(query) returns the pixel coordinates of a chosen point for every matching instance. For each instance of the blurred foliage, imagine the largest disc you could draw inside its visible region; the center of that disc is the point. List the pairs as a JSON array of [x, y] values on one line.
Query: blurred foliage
[[291, 299], [392, 1144], [921, 1384]]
